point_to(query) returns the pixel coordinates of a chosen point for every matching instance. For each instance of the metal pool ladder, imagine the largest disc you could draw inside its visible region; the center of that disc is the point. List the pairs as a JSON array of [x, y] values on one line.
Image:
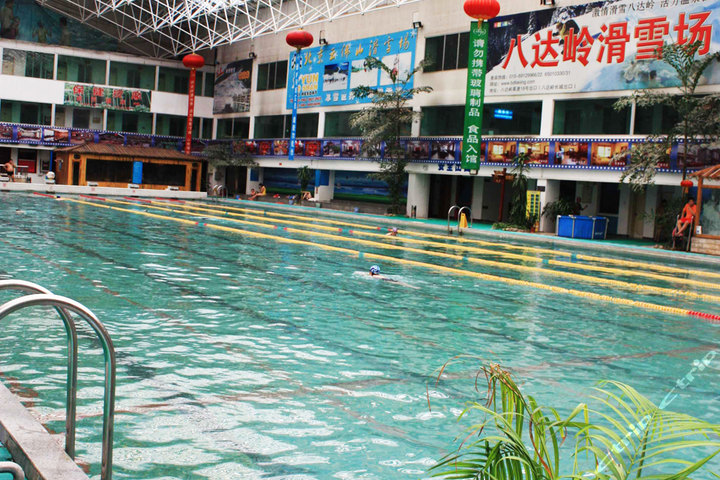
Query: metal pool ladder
[[37, 295], [459, 213]]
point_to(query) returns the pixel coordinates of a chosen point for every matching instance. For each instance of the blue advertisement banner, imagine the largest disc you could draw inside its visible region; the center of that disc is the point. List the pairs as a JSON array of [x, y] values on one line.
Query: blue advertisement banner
[[599, 46], [330, 72]]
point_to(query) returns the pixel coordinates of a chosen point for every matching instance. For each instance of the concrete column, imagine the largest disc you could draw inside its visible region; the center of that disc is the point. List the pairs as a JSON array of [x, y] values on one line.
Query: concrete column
[[623, 227], [254, 179], [324, 185], [547, 117], [415, 128], [477, 198], [651, 197], [321, 125], [251, 127], [551, 194], [418, 194]]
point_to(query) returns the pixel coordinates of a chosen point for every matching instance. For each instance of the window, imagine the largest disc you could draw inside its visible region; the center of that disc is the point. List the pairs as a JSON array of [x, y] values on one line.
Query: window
[[25, 112], [28, 158], [447, 52], [112, 171], [520, 118], [132, 75], [206, 128], [583, 117], [131, 122], [175, 125], [173, 80], [272, 76], [209, 85], [442, 121], [278, 126], [655, 120], [234, 128], [27, 64], [164, 174], [83, 70], [337, 124], [81, 118]]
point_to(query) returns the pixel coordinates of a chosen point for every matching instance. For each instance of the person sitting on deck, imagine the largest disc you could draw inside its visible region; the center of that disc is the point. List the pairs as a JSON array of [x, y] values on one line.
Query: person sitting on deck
[[686, 218], [261, 193], [307, 196]]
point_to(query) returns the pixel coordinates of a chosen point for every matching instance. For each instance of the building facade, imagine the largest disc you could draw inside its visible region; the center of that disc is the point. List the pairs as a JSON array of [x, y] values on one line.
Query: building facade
[[554, 74]]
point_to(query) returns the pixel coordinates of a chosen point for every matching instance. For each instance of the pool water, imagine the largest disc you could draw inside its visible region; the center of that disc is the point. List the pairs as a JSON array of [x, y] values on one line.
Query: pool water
[[246, 358]]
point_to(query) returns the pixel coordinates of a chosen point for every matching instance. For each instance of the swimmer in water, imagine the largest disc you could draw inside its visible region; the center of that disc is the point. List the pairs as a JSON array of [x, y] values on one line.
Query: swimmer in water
[[375, 273], [392, 232]]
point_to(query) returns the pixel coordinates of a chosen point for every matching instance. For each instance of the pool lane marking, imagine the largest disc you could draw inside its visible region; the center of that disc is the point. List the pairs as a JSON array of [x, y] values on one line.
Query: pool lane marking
[[281, 215], [544, 261], [482, 276], [573, 256], [633, 287]]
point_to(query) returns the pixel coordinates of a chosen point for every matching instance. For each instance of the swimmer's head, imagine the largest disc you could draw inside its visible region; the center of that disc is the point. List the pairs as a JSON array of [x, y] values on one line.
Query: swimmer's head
[[394, 230], [374, 270]]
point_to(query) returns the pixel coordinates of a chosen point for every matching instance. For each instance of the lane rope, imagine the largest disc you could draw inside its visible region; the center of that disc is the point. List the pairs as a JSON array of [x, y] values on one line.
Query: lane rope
[[451, 270]]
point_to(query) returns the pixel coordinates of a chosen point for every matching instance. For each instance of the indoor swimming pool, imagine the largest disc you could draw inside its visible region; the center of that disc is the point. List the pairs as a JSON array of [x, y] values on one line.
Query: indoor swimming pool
[[253, 344]]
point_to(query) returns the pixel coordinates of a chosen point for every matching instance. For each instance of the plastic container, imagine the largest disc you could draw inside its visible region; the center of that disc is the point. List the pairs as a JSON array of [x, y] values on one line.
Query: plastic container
[[581, 226]]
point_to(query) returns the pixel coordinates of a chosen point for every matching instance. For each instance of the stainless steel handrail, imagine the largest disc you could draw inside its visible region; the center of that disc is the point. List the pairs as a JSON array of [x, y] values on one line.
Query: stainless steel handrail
[[14, 468], [71, 331], [65, 303], [450, 213], [469, 217], [220, 190]]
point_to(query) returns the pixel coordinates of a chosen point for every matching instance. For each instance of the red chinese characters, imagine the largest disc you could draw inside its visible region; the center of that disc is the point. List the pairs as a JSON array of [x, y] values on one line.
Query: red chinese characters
[[577, 47], [515, 43], [699, 32], [544, 48], [613, 42], [650, 33]]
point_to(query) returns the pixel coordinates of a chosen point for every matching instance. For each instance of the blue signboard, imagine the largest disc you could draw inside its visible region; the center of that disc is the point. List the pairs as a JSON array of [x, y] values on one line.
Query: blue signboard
[[330, 72]]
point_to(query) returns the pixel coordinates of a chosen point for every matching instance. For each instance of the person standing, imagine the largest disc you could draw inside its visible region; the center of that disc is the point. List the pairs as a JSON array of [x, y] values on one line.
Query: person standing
[[10, 170]]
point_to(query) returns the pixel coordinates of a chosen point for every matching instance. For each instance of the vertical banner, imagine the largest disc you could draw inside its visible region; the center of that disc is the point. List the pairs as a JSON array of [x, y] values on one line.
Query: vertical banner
[[296, 64], [475, 96], [191, 111]]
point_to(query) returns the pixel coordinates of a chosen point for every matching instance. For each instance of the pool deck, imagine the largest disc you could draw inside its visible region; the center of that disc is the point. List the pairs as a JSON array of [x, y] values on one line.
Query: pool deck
[[54, 189], [30, 445], [484, 230]]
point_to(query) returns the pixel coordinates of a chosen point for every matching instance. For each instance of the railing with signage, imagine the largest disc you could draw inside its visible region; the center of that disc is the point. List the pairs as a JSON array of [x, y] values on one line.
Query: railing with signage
[[594, 153]]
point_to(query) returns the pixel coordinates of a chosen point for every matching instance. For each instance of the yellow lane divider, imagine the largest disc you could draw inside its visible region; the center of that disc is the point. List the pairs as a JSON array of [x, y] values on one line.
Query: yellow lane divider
[[633, 287], [450, 270], [514, 256], [278, 215], [587, 258]]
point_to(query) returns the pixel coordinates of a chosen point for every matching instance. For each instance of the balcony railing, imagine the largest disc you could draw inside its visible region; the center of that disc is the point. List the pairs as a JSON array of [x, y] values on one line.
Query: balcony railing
[[563, 152]]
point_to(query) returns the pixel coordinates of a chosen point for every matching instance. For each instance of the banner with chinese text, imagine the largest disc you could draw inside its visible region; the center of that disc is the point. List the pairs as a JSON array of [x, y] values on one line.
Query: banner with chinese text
[[601, 46], [93, 96], [330, 72], [474, 97], [233, 84]]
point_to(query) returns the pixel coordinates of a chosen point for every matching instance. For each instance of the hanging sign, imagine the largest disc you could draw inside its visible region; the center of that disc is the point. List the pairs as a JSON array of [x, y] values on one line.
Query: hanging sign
[[110, 98], [474, 97]]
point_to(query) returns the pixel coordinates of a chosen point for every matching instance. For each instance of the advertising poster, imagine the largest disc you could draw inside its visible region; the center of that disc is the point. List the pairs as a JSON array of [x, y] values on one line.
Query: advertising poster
[[537, 151], [233, 83], [502, 152], [329, 73], [604, 154], [600, 46], [93, 96], [571, 153], [27, 21]]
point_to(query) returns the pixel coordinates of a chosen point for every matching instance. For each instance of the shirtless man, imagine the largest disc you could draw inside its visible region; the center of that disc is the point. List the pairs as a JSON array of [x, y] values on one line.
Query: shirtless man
[[10, 170], [689, 212]]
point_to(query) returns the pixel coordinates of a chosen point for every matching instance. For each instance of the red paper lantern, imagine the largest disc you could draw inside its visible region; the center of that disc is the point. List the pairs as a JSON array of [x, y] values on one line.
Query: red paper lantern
[[299, 39], [686, 183], [193, 60], [482, 9]]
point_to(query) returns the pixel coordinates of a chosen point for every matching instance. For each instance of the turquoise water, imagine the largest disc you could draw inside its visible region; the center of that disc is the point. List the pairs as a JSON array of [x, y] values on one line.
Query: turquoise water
[[245, 358]]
